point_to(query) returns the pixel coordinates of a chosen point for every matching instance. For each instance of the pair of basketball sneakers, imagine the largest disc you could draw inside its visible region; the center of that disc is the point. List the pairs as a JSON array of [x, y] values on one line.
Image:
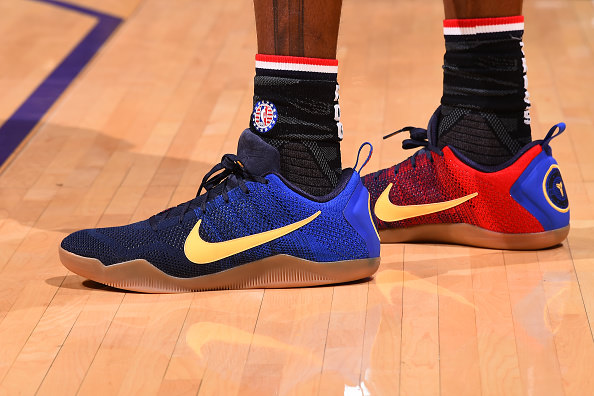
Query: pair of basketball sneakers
[[252, 228]]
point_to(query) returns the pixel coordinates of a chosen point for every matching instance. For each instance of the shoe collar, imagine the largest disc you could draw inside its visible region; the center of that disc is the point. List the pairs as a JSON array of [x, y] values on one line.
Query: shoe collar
[[432, 136]]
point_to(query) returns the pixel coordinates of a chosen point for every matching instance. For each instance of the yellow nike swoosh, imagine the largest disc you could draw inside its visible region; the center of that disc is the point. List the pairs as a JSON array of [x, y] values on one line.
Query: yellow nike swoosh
[[201, 252], [387, 211]]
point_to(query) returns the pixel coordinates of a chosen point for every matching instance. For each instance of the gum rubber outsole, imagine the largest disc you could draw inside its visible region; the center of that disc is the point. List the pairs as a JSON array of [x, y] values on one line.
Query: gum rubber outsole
[[466, 234], [280, 271]]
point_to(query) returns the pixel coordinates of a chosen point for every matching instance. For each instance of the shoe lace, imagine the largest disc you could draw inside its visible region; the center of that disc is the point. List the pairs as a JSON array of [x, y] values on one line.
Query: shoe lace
[[418, 138], [223, 177]]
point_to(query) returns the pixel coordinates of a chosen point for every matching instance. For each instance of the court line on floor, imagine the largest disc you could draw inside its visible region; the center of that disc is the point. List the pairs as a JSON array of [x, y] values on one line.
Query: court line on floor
[[25, 118]]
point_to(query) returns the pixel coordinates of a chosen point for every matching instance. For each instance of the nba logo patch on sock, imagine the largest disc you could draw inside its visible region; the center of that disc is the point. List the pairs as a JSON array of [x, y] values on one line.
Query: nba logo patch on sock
[[264, 116]]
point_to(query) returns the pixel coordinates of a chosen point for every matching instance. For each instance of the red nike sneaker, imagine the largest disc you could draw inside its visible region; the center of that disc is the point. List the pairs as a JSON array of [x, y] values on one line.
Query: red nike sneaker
[[441, 196]]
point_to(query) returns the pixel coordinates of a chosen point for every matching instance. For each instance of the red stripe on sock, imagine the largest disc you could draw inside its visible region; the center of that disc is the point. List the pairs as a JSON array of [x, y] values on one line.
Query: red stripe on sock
[[296, 60], [466, 23]]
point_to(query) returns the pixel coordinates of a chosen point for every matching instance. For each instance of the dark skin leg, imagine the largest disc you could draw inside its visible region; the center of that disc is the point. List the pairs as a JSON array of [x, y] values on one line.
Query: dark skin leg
[[298, 27], [310, 27], [465, 9]]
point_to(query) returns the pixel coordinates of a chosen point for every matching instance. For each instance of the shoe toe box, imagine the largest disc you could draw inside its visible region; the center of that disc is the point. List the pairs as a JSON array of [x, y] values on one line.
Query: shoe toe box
[[88, 243]]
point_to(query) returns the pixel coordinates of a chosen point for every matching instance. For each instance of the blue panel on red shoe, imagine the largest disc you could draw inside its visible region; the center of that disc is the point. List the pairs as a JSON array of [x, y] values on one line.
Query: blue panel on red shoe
[[540, 189], [358, 214]]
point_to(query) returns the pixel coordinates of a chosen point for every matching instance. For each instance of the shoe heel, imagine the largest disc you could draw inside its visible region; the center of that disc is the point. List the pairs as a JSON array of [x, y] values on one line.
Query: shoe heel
[[541, 191], [358, 214]]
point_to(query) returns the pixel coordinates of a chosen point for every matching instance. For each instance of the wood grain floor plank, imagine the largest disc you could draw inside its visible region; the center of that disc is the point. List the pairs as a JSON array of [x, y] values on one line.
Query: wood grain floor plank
[[159, 105], [498, 359], [78, 350], [341, 370], [458, 337], [287, 351], [568, 319], [380, 368], [419, 367], [537, 354]]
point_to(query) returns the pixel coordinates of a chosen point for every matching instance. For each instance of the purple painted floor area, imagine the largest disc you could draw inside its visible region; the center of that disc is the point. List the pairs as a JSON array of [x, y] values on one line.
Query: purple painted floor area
[[24, 119]]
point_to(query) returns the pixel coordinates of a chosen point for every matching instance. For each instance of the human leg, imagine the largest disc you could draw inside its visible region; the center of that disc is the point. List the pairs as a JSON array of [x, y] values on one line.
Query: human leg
[[478, 179], [257, 223], [296, 91], [485, 111], [303, 28]]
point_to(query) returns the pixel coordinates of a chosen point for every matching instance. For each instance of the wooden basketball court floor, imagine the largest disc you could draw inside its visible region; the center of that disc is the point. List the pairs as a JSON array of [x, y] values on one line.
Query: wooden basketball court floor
[[165, 96]]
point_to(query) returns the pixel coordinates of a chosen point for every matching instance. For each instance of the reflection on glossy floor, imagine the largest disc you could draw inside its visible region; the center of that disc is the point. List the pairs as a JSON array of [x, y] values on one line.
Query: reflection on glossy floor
[[164, 98]]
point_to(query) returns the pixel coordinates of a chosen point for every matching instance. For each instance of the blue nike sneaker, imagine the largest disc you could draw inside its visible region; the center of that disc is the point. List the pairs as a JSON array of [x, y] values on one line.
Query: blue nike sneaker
[[250, 229]]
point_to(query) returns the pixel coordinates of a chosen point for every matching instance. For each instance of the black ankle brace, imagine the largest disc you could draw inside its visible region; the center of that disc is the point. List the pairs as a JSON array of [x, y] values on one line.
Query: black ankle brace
[[297, 112], [485, 107]]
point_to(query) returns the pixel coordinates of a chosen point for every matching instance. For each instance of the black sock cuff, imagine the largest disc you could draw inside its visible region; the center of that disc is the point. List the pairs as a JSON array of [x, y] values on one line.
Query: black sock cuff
[[485, 101], [296, 98], [296, 110]]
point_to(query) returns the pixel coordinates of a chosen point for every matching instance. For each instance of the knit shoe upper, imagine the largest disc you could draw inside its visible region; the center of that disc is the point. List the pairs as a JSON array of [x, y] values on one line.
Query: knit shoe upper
[[248, 214], [439, 195]]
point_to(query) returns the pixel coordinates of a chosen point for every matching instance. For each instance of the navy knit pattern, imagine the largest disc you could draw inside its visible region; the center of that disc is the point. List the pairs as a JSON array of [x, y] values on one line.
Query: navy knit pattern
[[329, 237]]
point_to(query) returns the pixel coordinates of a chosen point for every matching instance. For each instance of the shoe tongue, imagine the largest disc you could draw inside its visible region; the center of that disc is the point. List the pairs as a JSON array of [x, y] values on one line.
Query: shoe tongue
[[256, 155], [433, 127]]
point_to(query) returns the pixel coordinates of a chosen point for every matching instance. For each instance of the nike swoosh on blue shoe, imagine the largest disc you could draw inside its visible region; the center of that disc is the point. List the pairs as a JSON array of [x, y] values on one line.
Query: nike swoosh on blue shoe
[[330, 239]]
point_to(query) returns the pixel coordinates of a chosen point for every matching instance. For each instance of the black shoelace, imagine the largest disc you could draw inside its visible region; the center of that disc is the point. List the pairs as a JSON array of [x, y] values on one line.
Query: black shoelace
[[418, 138], [223, 177]]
